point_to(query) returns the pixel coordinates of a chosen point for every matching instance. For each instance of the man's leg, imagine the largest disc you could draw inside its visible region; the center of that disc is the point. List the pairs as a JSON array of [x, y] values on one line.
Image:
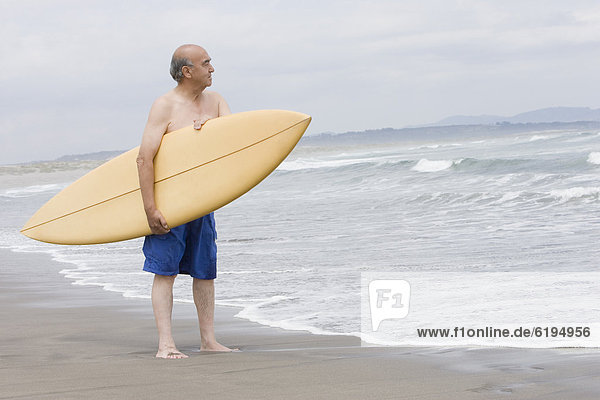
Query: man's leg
[[204, 298], [162, 303]]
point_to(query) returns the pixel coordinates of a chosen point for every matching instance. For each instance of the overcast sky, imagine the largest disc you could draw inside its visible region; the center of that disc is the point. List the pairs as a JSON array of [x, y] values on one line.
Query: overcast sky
[[80, 76]]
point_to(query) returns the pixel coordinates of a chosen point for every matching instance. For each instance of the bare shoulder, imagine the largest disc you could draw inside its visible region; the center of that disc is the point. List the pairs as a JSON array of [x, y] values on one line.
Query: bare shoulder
[[163, 103], [159, 118], [219, 101], [213, 96], [160, 114]]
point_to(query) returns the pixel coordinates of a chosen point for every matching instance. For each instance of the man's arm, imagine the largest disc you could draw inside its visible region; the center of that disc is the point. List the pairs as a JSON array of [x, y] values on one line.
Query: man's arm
[[158, 121], [223, 106]]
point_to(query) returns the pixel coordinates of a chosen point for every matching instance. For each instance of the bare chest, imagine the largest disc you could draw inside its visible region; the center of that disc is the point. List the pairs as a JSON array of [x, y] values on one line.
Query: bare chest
[[183, 115]]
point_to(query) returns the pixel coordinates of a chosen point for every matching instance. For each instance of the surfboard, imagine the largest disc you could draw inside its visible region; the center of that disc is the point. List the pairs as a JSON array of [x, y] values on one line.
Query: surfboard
[[196, 172]]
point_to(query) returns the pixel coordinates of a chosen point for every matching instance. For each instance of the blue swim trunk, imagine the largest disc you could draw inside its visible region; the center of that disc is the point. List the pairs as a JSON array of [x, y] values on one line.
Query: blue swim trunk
[[187, 249]]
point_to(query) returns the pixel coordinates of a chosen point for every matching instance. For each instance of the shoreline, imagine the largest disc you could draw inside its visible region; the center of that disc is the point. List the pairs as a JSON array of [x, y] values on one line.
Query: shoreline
[[68, 341]]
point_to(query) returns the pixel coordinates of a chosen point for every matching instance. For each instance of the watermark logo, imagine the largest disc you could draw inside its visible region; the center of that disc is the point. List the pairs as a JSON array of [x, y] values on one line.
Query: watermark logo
[[388, 299], [517, 309]]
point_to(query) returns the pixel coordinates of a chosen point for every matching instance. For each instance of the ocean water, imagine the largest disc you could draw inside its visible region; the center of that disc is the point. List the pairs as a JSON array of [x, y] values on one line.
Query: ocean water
[[292, 250]]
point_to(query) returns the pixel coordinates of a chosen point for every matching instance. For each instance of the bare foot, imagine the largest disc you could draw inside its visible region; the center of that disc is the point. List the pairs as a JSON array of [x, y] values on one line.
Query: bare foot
[[216, 347], [170, 354]]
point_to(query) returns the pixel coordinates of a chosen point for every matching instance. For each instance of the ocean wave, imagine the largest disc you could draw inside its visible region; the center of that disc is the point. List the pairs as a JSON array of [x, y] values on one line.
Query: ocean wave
[[502, 166], [576, 192], [393, 162], [538, 137], [425, 165], [281, 271], [594, 158], [253, 310], [249, 240], [49, 167], [33, 190], [498, 165], [509, 198], [303, 164], [435, 146]]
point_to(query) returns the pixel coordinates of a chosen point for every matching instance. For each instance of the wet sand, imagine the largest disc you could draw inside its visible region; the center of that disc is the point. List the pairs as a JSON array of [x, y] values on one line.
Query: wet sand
[[62, 341]]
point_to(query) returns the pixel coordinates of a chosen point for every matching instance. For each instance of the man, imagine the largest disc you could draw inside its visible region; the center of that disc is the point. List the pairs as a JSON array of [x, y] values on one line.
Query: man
[[189, 248]]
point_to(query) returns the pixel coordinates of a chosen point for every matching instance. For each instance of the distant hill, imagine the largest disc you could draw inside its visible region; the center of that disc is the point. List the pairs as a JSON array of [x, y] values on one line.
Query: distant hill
[[553, 114]]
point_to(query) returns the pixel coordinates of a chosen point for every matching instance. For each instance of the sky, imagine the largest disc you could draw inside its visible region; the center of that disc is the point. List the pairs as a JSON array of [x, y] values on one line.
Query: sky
[[80, 76]]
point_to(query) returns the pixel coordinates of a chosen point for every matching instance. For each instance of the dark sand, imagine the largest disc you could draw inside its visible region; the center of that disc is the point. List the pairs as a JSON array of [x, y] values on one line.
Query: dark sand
[[61, 341]]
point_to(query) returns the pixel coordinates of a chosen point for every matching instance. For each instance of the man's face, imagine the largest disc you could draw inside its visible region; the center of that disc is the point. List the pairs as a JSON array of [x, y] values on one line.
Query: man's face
[[202, 69]]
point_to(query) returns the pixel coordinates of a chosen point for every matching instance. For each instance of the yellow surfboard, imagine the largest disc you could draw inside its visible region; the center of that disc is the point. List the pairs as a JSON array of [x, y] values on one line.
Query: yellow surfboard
[[196, 172]]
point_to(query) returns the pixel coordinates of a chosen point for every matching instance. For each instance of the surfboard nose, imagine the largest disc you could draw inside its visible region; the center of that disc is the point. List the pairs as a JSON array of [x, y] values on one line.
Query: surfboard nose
[[291, 118], [305, 118], [303, 121], [297, 120], [300, 116]]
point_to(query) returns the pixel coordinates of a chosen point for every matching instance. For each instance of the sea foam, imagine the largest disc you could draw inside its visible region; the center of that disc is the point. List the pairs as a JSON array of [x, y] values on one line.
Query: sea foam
[[576, 192], [31, 190], [537, 137], [594, 158], [425, 165]]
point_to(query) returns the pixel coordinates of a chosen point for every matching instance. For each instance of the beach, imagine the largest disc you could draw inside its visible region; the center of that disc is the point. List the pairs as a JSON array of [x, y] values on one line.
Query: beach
[[65, 341]]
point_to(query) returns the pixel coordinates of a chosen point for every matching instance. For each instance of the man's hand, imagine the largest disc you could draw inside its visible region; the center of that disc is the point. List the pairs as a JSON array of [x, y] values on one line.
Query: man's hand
[[156, 221], [200, 121]]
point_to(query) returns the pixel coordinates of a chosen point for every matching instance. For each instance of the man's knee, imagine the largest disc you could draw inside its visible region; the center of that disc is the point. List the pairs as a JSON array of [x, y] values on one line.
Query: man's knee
[[203, 283], [164, 278]]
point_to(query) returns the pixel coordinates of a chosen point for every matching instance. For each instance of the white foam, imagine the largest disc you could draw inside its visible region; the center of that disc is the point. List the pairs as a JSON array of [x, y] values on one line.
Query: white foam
[[576, 192], [252, 312], [594, 158], [301, 164], [435, 146], [425, 165], [506, 197], [537, 137], [282, 271], [28, 191]]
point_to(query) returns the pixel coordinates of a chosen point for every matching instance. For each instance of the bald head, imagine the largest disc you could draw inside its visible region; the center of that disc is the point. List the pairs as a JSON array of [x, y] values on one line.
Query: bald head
[[184, 56]]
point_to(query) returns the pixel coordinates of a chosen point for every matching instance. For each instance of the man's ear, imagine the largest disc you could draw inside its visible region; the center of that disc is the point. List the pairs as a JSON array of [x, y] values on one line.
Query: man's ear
[[185, 70]]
